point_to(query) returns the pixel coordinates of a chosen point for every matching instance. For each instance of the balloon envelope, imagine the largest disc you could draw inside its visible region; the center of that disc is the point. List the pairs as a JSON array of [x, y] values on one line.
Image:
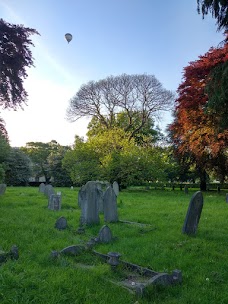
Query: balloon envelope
[[68, 37]]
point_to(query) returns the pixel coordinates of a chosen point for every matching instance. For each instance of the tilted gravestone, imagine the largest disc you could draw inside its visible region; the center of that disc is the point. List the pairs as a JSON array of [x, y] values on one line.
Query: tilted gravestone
[[42, 187], [61, 223], [54, 202], [2, 189], [88, 200], [105, 234], [110, 206], [193, 214], [116, 188], [49, 190]]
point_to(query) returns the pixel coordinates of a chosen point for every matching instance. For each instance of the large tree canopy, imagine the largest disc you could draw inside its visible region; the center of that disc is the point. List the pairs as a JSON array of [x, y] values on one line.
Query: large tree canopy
[[15, 57], [111, 156], [17, 168], [131, 94], [47, 160], [196, 132], [218, 9]]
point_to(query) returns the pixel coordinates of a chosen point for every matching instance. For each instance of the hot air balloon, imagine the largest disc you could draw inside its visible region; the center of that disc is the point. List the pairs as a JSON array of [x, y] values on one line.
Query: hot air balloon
[[68, 37]]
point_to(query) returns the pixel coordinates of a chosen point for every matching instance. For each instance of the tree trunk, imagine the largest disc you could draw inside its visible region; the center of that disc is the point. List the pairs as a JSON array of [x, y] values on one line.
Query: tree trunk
[[203, 180]]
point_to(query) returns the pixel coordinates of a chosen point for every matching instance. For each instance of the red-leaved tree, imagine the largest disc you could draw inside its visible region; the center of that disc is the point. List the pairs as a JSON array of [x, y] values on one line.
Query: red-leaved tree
[[196, 132]]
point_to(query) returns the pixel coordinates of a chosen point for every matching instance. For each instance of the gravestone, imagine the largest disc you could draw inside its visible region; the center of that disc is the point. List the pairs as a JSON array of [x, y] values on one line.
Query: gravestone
[[116, 188], [227, 197], [193, 214], [186, 189], [105, 234], [110, 206], [2, 189], [100, 198], [49, 190], [88, 200], [42, 187], [61, 223], [73, 250], [54, 202]]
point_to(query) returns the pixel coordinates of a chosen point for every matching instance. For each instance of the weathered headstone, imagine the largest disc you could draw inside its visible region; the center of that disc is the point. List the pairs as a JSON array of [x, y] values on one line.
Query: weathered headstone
[[116, 189], [88, 200], [12, 254], [54, 202], [110, 206], [193, 213], [100, 198], [73, 250], [105, 234], [186, 189], [227, 197], [2, 189], [42, 187], [49, 190], [61, 223]]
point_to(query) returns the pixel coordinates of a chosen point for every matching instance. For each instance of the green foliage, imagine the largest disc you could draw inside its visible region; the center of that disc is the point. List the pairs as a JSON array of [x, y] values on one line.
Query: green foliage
[[4, 151], [18, 168], [47, 160], [132, 124], [111, 156], [217, 90], [60, 176], [2, 174], [4, 147], [82, 163]]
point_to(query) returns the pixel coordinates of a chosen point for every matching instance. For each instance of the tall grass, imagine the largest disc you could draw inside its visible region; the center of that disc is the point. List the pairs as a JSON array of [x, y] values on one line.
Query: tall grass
[[160, 245]]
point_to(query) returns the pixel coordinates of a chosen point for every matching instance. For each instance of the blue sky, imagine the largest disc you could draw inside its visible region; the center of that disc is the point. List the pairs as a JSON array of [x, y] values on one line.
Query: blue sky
[[110, 37]]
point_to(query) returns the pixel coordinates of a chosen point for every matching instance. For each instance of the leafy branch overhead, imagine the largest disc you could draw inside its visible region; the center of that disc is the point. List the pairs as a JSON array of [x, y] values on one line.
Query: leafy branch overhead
[[218, 9], [15, 57]]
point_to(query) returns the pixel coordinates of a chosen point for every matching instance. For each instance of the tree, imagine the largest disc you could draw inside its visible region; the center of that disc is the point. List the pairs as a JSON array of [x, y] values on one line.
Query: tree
[[4, 149], [195, 132], [103, 100], [147, 133], [3, 130], [59, 174], [18, 168], [217, 91], [82, 163], [15, 57], [111, 156], [218, 9], [46, 159]]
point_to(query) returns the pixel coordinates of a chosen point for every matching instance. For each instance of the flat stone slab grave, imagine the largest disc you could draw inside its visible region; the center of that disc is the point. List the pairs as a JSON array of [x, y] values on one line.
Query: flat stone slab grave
[[193, 214]]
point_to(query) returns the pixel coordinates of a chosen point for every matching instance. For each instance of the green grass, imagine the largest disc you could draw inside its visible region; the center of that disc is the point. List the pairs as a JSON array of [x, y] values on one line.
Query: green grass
[[36, 278]]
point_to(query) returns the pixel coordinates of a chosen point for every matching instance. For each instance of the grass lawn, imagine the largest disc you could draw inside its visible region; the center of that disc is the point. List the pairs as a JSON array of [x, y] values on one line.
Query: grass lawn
[[36, 278]]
